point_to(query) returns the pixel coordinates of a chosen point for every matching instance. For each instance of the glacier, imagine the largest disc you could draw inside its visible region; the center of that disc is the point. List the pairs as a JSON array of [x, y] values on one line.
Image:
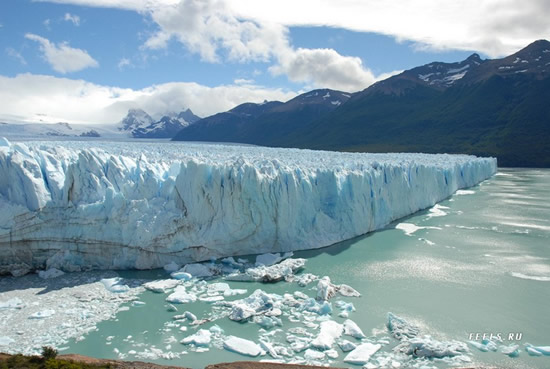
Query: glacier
[[105, 205]]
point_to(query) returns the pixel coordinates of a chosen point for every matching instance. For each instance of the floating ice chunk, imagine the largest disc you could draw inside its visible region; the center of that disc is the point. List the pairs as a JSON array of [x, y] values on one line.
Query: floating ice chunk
[[171, 267], [321, 308], [218, 287], [181, 275], [242, 346], [271, 259], [532, 351], [211, 299], [333, 354], [216, 330], [231, 261], [345, 307], [241, 312], [326, 290], [400, 328], [199, 270], [429, 348], [464, 192], [268, 322], [511, 350], [268, 259], [545, 350], [484, 346], [347, 291], [300, 295], [531, 277], [201, 338], [181, 296], [42, 314], [187, 315], [437, 211], [115, 285], [268, 347], [352, 329], [259, 302], [298, 344], [362, 353], [161, 286], [5, 341], [50, 273], [314, 355], [330, 331], [269, 274], [305, 279], [234, 292], [346, 345], [13, 303]]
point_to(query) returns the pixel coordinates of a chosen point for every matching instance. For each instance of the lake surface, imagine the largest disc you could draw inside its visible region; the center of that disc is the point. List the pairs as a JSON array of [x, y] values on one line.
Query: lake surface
[[478, 262]]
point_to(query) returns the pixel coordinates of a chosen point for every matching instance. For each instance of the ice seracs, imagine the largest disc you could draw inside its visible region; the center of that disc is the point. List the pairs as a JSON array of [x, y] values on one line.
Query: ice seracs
[[194, 202]]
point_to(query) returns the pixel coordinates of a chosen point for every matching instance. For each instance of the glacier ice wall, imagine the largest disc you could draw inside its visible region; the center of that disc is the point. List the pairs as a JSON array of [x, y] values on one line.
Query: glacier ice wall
[[88, 205]]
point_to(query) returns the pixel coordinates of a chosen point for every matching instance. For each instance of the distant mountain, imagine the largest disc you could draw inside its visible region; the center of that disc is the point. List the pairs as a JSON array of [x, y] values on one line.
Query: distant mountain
[[139, 124], [45, 130], [486, 107], [262, 123]]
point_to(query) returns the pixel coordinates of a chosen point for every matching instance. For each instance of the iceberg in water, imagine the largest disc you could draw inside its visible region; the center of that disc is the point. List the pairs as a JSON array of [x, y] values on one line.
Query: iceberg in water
[[92, 205]]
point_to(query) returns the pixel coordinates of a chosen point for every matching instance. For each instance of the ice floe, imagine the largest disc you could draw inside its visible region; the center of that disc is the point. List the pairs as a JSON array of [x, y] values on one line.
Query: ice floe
[[362, 353], [50, 273], [352, 329], [181, 296], [36, 312], [161, 286], [201, 338], [242, 346], [330, 331], [269, 274], [326, 290]]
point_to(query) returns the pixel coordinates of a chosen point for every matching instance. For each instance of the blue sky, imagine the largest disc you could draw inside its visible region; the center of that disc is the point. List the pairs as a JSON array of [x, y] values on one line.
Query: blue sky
[[104, 57]]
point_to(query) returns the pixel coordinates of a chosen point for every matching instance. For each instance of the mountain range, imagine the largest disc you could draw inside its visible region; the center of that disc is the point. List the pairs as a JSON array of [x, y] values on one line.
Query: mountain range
[[139, 124], [487, 107]]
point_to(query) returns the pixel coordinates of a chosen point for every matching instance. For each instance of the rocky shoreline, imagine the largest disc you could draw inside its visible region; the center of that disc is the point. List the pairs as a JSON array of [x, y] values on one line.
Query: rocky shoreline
[[121, 364]]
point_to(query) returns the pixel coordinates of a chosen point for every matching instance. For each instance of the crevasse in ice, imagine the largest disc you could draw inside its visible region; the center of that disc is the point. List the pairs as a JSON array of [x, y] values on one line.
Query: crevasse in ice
[[85, 205]]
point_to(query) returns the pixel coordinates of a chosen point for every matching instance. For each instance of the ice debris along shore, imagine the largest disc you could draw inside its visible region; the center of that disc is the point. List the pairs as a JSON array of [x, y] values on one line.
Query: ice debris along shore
[[51, 308], [307, 326], [84, 205]]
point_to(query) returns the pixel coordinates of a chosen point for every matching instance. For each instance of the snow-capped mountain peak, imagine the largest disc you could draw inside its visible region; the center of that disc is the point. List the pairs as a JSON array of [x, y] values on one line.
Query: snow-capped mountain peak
[[135, 119], [139, 124]]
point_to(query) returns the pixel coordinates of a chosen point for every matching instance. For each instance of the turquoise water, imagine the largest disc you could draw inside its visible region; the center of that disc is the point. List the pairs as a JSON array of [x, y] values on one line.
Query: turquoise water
[[479, 263]]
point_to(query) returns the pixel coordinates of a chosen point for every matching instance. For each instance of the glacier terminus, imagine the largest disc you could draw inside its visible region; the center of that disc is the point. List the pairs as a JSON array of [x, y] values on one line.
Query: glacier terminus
[[87, 205]]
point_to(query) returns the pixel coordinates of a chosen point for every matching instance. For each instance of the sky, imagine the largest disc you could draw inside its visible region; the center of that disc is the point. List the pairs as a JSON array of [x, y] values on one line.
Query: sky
[[90, 61]]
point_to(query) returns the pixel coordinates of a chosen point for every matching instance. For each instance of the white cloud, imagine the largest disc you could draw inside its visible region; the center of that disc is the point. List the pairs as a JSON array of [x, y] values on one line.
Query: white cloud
[[47, 23], [29, 97], [494, 27], [243, 81], [324, 68], [208, 27], [63, 58], [124, 62], [16, 55], [75, 19]]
